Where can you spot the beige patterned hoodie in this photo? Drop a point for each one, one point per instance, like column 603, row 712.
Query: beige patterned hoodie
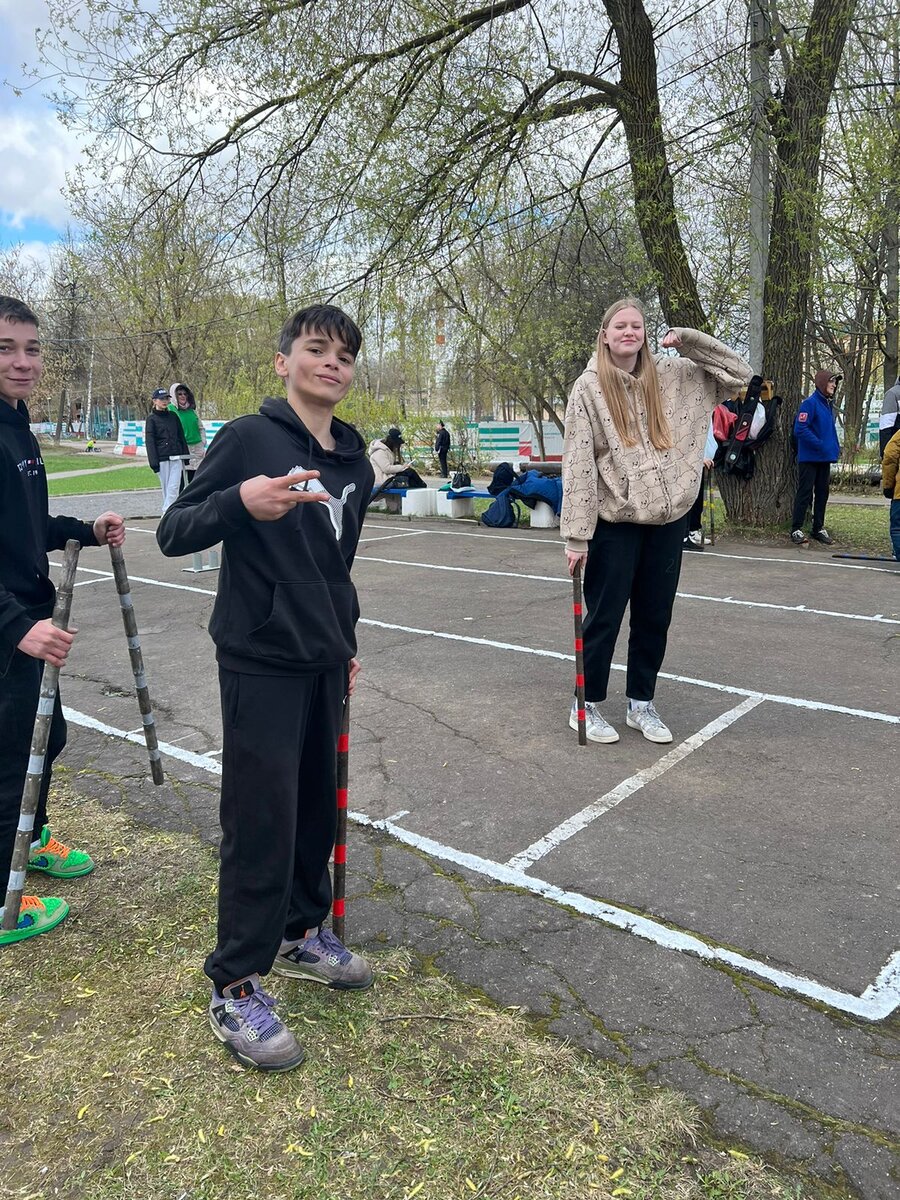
column 640, row 484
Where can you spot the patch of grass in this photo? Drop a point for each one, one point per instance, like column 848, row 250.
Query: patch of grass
column 116, row 1087
column 66, row 461
column 129, row 479
column 854, row 527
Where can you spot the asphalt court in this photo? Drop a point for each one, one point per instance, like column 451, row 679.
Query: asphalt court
column 769, row 826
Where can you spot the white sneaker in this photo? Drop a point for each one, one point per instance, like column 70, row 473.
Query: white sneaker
column 649, row 722
column 694, row 539
column 598, row 729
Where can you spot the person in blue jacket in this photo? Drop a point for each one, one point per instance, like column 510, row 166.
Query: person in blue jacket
column 817, row 448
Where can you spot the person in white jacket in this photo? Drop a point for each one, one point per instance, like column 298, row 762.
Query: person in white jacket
column 384, row 455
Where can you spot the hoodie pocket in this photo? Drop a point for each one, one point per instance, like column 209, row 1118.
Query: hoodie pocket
column 310, row 624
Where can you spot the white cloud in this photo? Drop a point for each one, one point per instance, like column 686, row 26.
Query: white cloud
column 36, row 152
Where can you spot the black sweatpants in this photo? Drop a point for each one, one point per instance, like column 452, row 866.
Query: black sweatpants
column 695, row 516
column 626, row 563
column 20, row 688
column 278, row 812
column 812, row 477
column 442, row 459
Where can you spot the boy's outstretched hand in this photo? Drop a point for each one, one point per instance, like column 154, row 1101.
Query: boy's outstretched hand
column 267, row 499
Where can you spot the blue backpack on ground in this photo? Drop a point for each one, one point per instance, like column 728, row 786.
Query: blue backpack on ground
column 502, row 514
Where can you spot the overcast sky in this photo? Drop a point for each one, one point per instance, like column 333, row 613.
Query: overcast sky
column 35, row 149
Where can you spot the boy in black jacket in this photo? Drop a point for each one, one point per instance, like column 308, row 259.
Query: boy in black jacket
column 28, row 638
column 285, row 490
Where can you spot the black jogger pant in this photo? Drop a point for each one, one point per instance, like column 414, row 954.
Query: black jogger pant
column 640, row 564
column 442, row 459
column 20, row 688
column 278, row 812
column 812, row 477
column 695, row 516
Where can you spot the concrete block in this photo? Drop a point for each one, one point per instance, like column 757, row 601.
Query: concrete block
column 464, row 507
column 420, row 502
column 543, row 516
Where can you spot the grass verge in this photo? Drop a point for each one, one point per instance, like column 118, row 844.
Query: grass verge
column 854, row 527
column 129, row 479
column 116, row 1087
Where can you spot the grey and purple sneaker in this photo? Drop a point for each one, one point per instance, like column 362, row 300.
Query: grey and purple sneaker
column 324, row 959
column 243, row 1017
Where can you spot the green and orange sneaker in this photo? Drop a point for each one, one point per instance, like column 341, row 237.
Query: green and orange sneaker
column 36, row 916
column 53, row 858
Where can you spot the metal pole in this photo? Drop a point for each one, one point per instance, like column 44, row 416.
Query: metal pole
column 137, row 661
column 340, row 839
column 39, row 739
column 579, row 654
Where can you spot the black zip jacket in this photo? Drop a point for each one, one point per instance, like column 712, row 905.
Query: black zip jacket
column 164, row 437
column 285, row 603
column 27, row 532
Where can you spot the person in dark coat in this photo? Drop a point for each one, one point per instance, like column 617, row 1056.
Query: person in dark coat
column 442, row 448
column 167, row 448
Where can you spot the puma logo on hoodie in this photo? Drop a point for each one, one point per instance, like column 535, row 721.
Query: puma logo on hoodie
column 335, row 506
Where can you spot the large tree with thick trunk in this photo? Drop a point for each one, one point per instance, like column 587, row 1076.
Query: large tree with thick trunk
column 403, row 134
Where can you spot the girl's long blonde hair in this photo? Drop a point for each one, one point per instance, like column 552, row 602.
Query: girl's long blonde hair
column 615, row 395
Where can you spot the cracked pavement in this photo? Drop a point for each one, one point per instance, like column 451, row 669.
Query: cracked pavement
column 777, row 838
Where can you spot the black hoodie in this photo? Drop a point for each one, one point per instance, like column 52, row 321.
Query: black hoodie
column 285, row 603
column 27, row 532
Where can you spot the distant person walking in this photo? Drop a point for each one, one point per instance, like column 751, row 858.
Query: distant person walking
column 442, row 448
column 815, row 432
column 166, row 446
column 889, row 421
column 185, row 406
column 890, row 482
column 636, row 424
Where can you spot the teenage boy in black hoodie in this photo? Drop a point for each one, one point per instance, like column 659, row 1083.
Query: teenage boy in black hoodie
column 285, row 491
column 28, row 638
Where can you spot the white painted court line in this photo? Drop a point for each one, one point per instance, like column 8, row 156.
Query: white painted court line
column 580, row 820
column 728, row 689
column 186, row 756
column 532, row 538
column 390, row 536
column 877, row 1001
column 562, row 579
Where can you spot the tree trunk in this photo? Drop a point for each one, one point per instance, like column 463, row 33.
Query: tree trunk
column 654, row 192
column 799, row 123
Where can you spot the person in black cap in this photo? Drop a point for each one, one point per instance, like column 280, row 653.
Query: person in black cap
column 166, row 446
column 817, row 448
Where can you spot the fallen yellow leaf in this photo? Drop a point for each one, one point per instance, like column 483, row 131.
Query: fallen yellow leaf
column 82, row 1111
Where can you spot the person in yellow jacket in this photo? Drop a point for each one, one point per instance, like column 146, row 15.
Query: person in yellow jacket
column 890, row 483
column 636, row 425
